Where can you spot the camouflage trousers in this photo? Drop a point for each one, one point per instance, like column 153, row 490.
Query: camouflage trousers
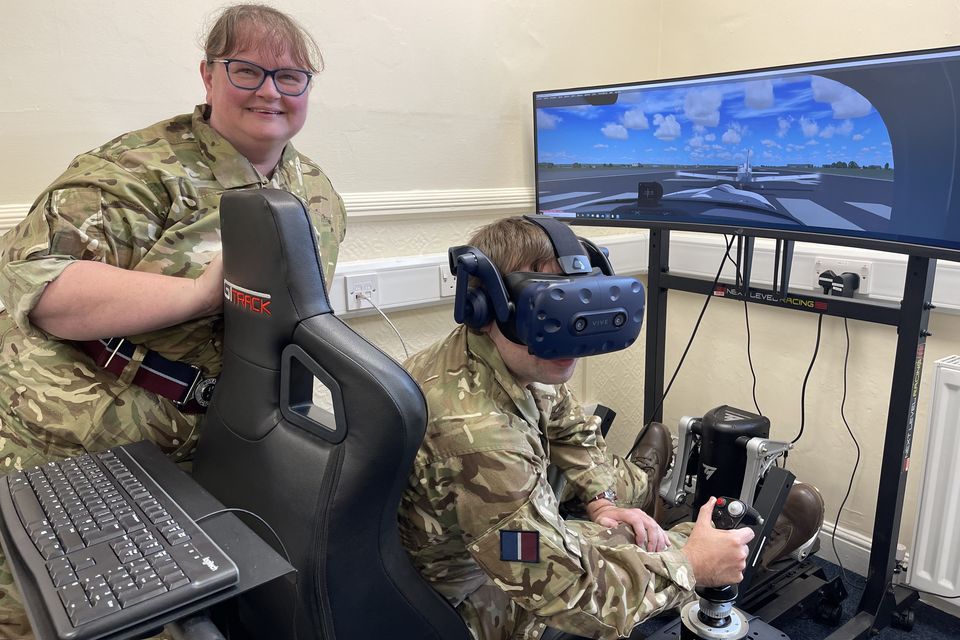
column 491, row 614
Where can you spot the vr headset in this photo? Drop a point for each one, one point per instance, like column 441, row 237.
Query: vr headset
column 585, row 310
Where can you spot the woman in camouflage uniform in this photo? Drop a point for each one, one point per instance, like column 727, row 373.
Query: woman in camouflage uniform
column 126, row 243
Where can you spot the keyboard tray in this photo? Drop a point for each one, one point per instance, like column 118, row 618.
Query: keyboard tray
column 221, row 555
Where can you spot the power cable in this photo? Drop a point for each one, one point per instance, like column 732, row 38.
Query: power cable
column 693, row 335
column 856, row 464
column 746, row 318
column 806, row 378
column 363, row 295
column 296, row 581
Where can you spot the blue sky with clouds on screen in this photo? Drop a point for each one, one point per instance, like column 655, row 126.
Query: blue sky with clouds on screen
column 796, row 120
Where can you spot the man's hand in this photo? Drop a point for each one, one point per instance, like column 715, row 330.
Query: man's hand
column 648, row 533
column 718, row 556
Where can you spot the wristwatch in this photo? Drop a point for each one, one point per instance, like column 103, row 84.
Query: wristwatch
column 608, row 494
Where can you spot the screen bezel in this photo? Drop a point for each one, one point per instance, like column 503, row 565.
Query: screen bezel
column 817, row 237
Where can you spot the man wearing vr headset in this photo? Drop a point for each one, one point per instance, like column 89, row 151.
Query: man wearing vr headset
column 479, row 518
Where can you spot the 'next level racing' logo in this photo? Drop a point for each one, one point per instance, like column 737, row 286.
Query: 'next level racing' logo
column 245, row 298
column 725, row 291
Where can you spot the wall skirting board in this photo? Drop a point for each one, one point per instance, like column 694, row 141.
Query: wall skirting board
column 854, row 551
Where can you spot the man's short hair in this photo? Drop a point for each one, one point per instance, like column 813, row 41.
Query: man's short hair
column 513, row 244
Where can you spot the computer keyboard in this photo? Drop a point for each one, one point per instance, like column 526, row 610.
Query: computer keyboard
column 106, row 546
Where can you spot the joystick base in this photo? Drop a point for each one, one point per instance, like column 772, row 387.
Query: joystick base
column 759, row 630
column 694, row 628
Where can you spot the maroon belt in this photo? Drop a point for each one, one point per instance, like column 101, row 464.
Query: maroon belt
column 181, row 383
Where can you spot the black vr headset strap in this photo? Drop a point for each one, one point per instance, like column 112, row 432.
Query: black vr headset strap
column 570, row 249
column 468, row 261
column 598, row 256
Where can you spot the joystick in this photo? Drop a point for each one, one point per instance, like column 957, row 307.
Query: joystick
column 713, row 616
column 729, row 513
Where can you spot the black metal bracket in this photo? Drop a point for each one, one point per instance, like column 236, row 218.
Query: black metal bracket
column 911, row 318
column 782, row 263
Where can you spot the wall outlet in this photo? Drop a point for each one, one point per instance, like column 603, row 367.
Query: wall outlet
column 862, row 268
column 448, row 283
column 360, row 287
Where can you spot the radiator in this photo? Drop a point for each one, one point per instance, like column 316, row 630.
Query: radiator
column 935, row 562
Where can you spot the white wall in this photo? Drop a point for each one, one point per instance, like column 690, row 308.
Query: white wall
column 423, row 94
column 427, row 103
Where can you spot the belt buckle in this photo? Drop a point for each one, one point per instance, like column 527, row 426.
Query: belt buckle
column 199, row 391
column 191, row 392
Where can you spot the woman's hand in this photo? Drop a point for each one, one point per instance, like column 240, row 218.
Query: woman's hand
column 209, row 287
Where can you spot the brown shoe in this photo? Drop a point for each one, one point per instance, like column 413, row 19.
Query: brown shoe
column 653, row 453
column 797, row 527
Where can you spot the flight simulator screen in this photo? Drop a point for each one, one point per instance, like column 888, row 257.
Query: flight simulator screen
column 863, row 148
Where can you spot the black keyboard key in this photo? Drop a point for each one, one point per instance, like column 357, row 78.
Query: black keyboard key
column 151, row 589
column 49, row 547
column 116, row 577
column 146, row 578
column 82, row 561
column 89, row 613
column 131, row 522
column 172, row 576
column 73, row 596
column 177, row 537
column 141, row 494
column 138, row 567
column 39, row 529
column 176, row 580
column 61, row 572
column 105, row 519
column 94, row 536
column 158, row 516
column 129, row 555
column 70, row 540
column 99, row 510
column 28, row 507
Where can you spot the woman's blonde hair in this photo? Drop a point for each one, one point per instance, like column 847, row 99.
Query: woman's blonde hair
column 258, row 26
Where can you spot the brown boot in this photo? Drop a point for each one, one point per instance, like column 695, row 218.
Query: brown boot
column 797, row 527
column 653, row 453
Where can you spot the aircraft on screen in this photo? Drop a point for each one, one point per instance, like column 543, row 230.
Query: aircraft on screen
column 745, row 175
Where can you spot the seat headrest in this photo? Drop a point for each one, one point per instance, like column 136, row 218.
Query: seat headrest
column 263, row 304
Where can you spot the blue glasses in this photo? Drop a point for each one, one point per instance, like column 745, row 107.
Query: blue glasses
column 250, row 76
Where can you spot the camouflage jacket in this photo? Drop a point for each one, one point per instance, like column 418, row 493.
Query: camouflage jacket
column 478, row 507
column 147, row 200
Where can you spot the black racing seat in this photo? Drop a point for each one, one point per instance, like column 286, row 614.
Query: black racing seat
column 328, row 482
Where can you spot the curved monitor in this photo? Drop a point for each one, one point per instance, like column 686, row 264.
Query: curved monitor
column 861, row 152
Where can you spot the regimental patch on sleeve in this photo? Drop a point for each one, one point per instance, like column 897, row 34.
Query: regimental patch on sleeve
column 520, row 546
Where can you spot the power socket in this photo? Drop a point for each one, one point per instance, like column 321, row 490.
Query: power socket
column 862, row 268
column 360, row 285
column 448, row 283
